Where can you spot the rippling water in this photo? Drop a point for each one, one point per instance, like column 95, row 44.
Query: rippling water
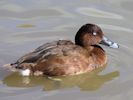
column 26, row 24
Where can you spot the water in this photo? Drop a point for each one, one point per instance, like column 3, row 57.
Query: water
column 26, row 24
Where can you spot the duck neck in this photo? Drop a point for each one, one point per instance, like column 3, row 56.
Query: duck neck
column 89, row 48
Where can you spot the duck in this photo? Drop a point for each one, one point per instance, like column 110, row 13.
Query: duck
column 64, row 57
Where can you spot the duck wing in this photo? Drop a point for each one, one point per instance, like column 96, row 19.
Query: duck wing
column 41, row 52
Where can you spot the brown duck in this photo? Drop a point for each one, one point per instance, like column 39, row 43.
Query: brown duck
column 64, row 57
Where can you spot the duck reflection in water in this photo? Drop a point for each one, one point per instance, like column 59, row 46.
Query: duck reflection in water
column 66, row 63
column 86, row 82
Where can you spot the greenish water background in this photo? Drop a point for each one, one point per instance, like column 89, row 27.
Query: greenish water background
column 26, row 24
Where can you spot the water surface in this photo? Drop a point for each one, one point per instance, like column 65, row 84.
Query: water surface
column 26, row 24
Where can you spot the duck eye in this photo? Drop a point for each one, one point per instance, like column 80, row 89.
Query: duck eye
column 94, row 33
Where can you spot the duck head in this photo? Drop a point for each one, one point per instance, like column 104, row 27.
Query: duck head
column 91, row 34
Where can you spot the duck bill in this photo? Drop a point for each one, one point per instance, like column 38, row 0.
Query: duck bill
column 109, row 43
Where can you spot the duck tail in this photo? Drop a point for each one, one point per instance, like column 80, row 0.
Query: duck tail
column 11, row 65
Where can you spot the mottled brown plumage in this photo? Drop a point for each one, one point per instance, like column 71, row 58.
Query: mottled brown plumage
column 63, row 57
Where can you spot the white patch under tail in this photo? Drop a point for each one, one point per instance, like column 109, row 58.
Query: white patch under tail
column 25, row 72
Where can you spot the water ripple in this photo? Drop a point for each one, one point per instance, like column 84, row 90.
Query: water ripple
column 93, row 12
column 116, row 28
column 13, row 8
column 30, row 13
